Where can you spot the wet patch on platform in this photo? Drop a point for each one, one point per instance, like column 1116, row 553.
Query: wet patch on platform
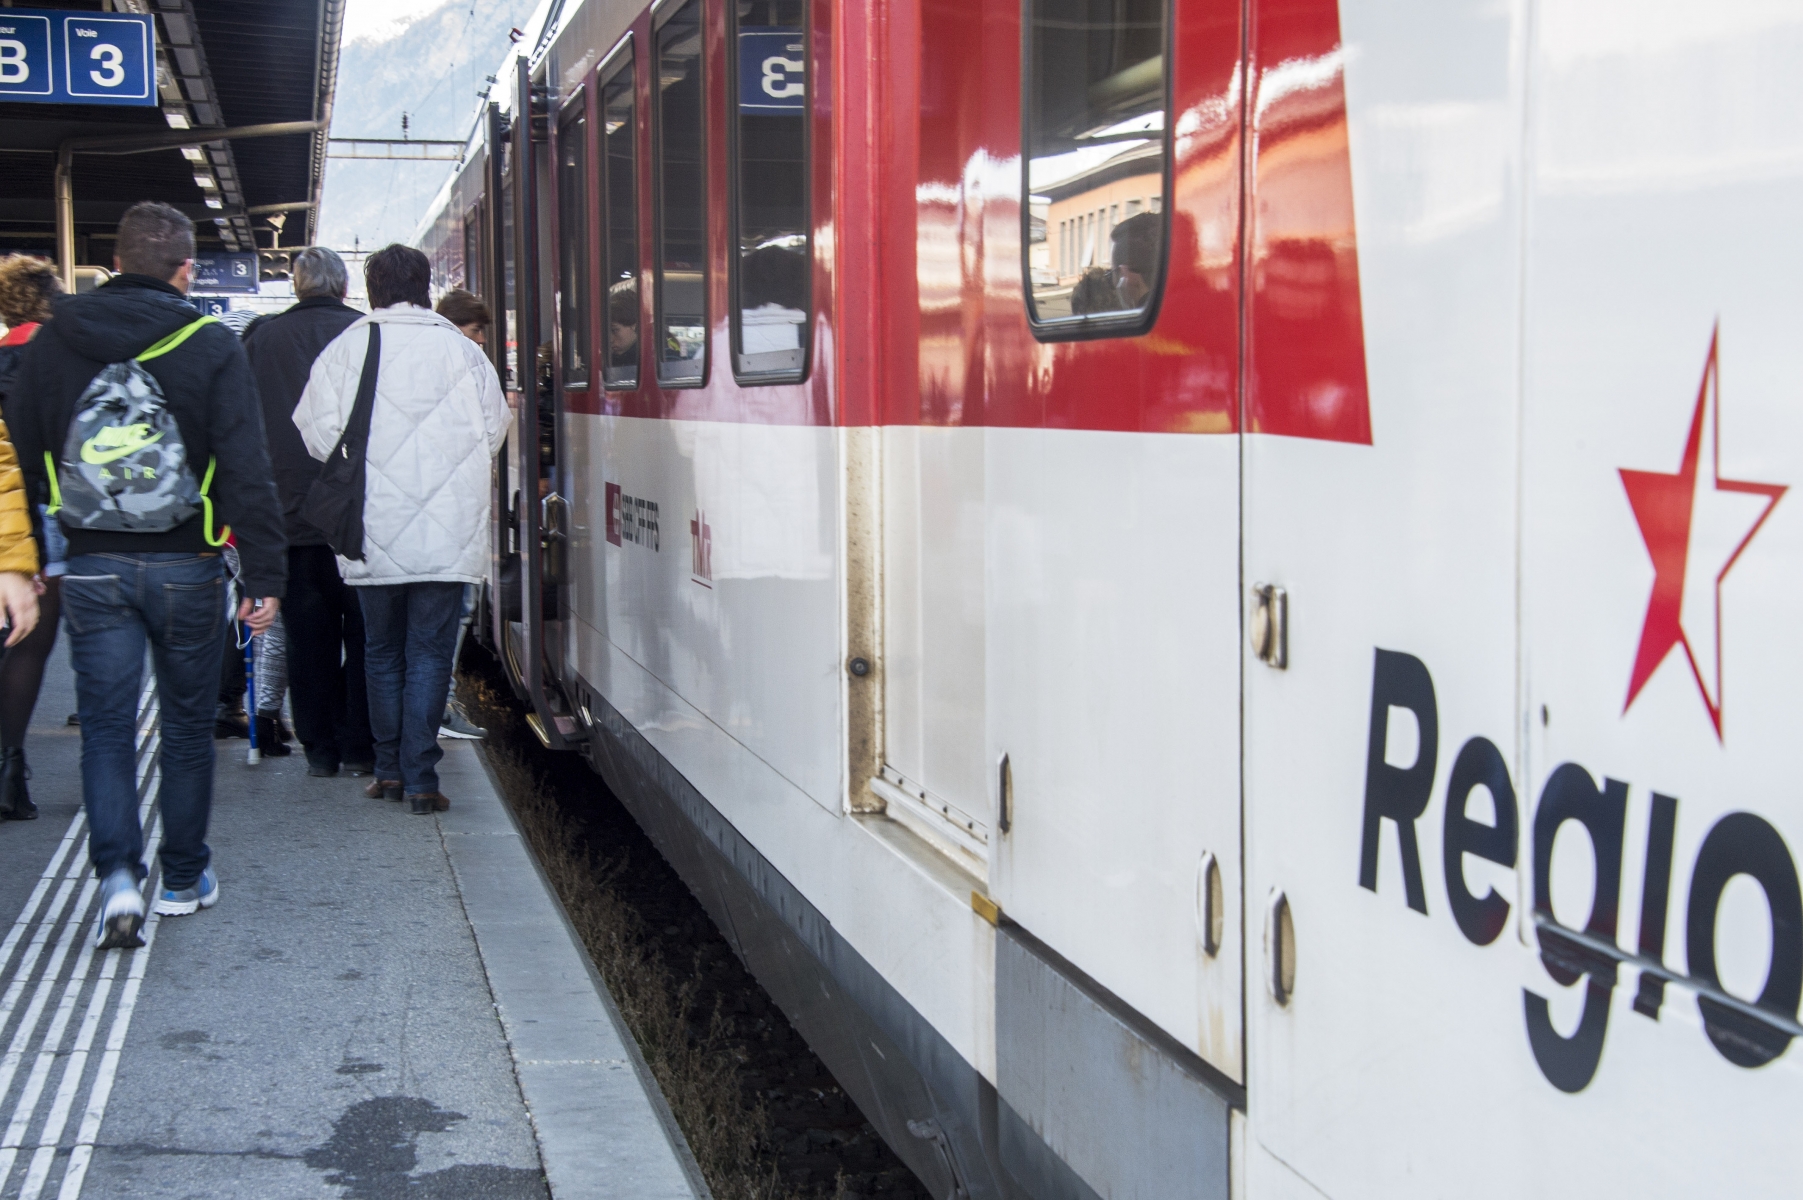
column 374, row 1147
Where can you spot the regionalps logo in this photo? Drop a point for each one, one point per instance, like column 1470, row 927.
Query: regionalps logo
column 1696, row 524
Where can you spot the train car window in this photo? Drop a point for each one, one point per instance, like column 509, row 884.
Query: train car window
column 681, row 279
column 474, row 277
column 771, row 277
column 1096, row 165
column 572, row 239
column 620, row 216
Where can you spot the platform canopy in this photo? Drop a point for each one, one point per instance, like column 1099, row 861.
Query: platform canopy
column 238, row 67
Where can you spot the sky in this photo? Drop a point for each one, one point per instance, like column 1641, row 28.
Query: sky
column 380, row 20
column 428, row 59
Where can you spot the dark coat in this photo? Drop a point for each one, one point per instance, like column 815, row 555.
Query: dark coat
column 282, row 349
column 207, row 385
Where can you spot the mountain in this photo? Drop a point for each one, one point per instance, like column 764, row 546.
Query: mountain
column 432, row 70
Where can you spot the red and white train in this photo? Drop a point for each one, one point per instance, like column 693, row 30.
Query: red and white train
column 1199, row 586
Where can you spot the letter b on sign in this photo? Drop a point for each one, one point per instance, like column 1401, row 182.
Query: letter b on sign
column 13, row 67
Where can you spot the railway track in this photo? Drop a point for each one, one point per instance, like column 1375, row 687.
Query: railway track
column 764, row 1116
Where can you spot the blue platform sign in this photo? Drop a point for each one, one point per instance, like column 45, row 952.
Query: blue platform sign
column 50, row 56
column 773, row 70
column 212, row 306
column 231, row 273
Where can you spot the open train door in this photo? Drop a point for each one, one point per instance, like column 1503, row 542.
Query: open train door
column 530, row 580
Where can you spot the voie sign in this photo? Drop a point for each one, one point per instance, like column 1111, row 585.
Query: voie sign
column 234, row 274
column 58, row 57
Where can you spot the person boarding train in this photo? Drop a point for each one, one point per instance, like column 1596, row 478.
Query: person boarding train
column 144, row 566
column 437, row 421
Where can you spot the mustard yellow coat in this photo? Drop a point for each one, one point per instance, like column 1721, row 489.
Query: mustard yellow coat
column 18, row 551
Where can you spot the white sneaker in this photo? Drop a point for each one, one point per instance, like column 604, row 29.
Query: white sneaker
column 202, row 893
column 121, row 911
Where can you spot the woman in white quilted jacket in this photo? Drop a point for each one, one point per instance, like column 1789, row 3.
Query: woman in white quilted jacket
column 438, row 420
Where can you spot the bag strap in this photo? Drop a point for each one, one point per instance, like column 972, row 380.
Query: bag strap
column 164, row 345
column 356, row 430
column 206, row 504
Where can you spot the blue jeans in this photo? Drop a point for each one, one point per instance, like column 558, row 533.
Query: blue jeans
column 409, row 631
column 113, row 605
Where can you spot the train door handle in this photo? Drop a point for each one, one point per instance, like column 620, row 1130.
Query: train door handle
column 1271, row 625
column 1211, row 904
column 1280, row 947
column 551, row 516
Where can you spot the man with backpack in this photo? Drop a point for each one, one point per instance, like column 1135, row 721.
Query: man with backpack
column 139, row 418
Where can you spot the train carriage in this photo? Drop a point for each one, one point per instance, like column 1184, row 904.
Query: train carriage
column 1197, row 585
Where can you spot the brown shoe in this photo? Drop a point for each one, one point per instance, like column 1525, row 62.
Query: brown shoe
column 383, row 789
column 425, row 803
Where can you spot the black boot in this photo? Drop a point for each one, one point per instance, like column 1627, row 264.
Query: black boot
column 270, row 742
column 229, row 721
column 15, row 798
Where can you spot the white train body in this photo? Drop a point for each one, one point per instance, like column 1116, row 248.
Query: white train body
column 1248, row 801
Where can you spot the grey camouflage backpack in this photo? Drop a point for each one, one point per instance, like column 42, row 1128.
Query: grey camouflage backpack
column 124, row 466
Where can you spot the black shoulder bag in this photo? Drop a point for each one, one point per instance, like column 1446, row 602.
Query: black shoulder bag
column 334, row 504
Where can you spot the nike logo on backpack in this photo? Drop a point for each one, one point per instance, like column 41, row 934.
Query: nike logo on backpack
column 116, row 441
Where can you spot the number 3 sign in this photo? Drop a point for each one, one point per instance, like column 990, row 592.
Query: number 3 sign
column 59, row 57
column 773, row 71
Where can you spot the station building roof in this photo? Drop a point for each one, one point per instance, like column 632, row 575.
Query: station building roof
column 221, row 64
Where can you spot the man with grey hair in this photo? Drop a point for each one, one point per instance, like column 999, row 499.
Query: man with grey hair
column 324, row 622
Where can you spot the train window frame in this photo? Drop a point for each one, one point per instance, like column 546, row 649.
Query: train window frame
column 622, row 60
column 661, row 21
column 775, row 367
column 1121, row 324
column 573, row 112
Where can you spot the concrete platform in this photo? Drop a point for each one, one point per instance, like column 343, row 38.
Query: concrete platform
column 381, row 1005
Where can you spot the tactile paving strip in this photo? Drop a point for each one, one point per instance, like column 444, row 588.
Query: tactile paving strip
column 51, row 971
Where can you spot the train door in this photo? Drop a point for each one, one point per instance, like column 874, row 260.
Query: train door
column 1384, row 1010
column 1661, row 545
column 1061, row 492
column 534, row 631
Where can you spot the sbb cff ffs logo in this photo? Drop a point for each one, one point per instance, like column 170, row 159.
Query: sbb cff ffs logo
column 1741, row 843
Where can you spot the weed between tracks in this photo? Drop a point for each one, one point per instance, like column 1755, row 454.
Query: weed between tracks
column 764, row 1118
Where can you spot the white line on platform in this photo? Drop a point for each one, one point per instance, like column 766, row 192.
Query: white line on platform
column 69, row 862
column 28, row 914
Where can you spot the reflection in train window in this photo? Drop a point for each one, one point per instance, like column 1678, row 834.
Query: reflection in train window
column 770, row 169
column 572, row 239
column 681, row 280
column 620, row 217
column 1095, row 171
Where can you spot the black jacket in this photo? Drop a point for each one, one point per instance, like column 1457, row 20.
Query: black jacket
column 207, row 384
column 282, row 349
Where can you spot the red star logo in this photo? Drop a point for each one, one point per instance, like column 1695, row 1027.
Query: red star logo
column 1686, row 526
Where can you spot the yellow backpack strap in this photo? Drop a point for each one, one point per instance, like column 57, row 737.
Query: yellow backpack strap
column 206, row 504
column 165, row 345
column 56, row 493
